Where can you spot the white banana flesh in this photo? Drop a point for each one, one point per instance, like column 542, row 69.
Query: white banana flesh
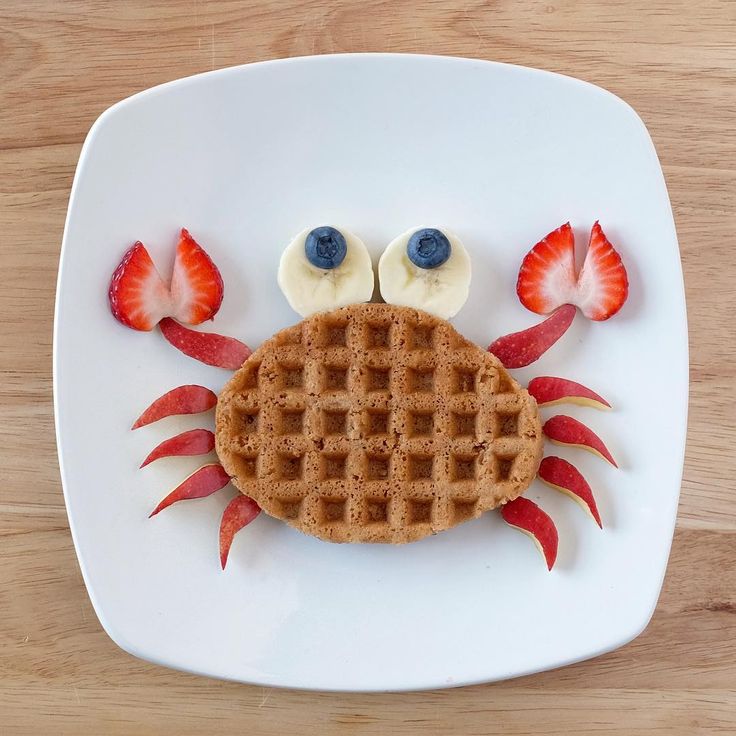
column 442, row 291
column 309, row 289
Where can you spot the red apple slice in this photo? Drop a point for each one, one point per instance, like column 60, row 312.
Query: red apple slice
column 564, row 430
column 189, row 399
column 522, row 348
column 200, row 484
column 193, row 442
column 238, row 513
column 549, row 391
column 206, row 347
column 565, row 477
column 526, row 516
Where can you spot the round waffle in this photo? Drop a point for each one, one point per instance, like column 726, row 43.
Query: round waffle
column 376, row 423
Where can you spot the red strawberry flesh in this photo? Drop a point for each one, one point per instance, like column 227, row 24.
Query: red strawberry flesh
column 565, row 430
column 547, row 274
column 522, row 348
column 206, row 347
column 526, row 516
column 603, row 284
column 196, row 283
column 548, row 390
column 238, row 513
column 565, row 477
column 547, row 277
column 189, row 399
column 201, row 483
column 193, row 442
column 138, row 296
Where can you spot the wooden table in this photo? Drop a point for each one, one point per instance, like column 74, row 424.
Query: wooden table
column 61, row 64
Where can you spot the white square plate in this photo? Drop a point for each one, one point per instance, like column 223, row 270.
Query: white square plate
column 245, row 158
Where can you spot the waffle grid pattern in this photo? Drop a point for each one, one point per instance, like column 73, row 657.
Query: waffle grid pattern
column 376, row 423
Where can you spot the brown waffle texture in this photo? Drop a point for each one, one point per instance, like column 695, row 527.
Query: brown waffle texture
column 376, row 423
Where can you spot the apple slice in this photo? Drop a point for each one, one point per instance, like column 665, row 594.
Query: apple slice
column 549, row 391
column 189, row 399
column 564, row 430
column 565, row 477
column 206, row 347
column 238, row 513
column 200, row 484
column 522, row 348
column 526, row 516
column 193, row 442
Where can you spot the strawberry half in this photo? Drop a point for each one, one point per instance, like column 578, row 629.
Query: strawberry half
column 547, row 277
column 603, row 284
column 196, row 284
column 547, row 274
column 138, row 296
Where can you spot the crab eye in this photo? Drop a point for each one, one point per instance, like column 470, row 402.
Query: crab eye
column 428, row 248
column 426, row 268
column 325, row 247
column 324, row 268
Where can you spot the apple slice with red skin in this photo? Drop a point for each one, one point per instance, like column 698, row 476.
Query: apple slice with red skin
column 201, row 483
column 519, row 349
column 548, row 391
column 206, row 347
column 526, row 516
column 238, row 513
column 189, row 399
column 565, row 477
column 564, row 430
column 193, row 442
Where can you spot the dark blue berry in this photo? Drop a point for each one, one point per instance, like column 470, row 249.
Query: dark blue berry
column 428, row 248
column 325, row 247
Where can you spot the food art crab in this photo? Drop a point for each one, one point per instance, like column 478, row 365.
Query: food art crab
column 381, row 396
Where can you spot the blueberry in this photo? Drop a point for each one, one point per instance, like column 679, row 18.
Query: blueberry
column 428, row 248
column 325, row 247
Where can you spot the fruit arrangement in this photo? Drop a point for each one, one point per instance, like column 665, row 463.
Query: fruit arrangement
column 426, row 268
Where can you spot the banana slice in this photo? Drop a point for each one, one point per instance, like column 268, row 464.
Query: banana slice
column 325, row 268
column 439, row 285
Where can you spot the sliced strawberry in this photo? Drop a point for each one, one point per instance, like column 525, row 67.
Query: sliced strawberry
column 564, row 430
column 196, row 284
column 238, row 513
column 138, row 296
column 189, row 399
column 522, row 348
column 200, row 484
column 207, row 347
column 548, row 391
column 565, row 477
column 547, row 274
column 603, row 284
column 193, row 442
column 526, row 516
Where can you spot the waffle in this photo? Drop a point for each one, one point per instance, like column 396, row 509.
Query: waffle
column 376, row 423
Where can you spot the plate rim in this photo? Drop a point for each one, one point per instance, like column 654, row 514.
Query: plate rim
column 285, row 683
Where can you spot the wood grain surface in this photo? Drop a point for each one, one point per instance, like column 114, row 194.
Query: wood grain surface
column 63, row 63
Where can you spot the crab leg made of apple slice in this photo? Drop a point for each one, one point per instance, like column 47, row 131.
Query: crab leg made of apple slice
column 207, row 347
column 238, row 513
column 555, row 471
column 526, row 516
column 568, row 431
column 203, row 483
column 520, row 349
column 191, row 442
